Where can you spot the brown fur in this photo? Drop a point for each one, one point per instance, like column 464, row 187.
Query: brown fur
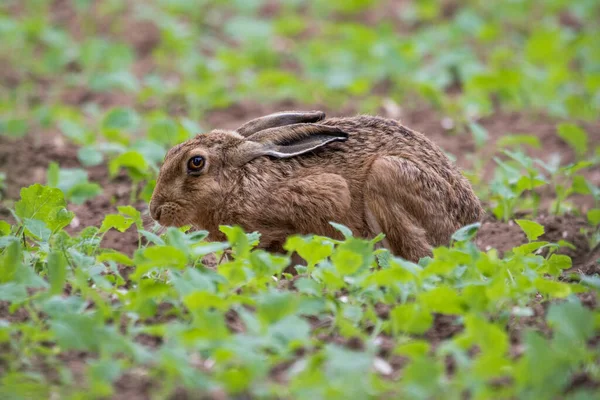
column 383, row 177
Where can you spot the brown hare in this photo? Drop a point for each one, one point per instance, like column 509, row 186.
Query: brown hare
column 294, row 172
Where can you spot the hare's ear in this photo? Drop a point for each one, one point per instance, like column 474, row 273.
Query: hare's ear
column 279, row 119
column 291, row 140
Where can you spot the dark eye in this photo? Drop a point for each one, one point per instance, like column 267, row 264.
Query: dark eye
column 195, row 164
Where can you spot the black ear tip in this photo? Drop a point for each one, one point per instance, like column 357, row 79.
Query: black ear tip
column 317, row 116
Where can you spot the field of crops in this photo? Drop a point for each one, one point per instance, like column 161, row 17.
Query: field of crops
column 97, row 301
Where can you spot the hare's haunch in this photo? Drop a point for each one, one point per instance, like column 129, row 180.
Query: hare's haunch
column 294, row 172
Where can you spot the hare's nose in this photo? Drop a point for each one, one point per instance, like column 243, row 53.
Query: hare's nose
column 155, row 211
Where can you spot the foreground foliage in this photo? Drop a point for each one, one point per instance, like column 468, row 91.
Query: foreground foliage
column 251, row 327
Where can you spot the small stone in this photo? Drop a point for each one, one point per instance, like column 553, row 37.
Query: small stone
column 75, row 222
column 447, row 123
column 382, row 366
column 392, row 109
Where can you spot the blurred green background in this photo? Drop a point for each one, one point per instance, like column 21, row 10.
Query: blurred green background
column 183, row 58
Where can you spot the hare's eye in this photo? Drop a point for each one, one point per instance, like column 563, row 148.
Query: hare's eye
column 195, row 164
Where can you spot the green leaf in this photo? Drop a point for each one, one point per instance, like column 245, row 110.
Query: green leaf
column 37, row 229
column 113, row 255
column 89, row 156
column 204, row 300
column 166, row 132
column 10, row 262
column 572, row 320
column 44, row 204
column 552, row 288
column 4, row 228
column 133, row 161
column 14, row 127
column 313, row 249
column 52, row 174
column 116, row 221
column 516, row 140
column 480, row 134
column 57, row 272
column 410, row 318
column 532, row 229
column 575, row 137
column 132, row 213
column 157, row 257
column 442, row 300
column 466, row 232
column 559, row 262
column 84, row 191
column 593, row 216
column 529, row 248
column 74, row 131
column 343, row 229
column 121, row 119
column 238, row 239
column 273, row 306
column 413, row 349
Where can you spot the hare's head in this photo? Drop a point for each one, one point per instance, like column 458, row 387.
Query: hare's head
column 190, row 181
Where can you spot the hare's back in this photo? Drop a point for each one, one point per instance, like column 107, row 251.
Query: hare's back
column 378, row 132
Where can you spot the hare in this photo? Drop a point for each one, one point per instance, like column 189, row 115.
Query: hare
column 294, row 172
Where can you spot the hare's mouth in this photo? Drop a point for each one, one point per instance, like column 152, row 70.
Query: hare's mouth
column 169, row 214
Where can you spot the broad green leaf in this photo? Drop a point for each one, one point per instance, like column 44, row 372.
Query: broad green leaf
column 553, row 288
column 132, row 213
column 593, row 216
column 466, row 232
column 52, row 176
column 273, row 306
column 352, row 255
column 83, row 191
column 4, row 228
column 575, row 137
column 197, row 300
column 89, row 156
column 116, row 221
column 37, row 229
column 116, row 256
column 133, row 161
column 10, row 262
column 572, row 320
column 343, row 229
column 559, row 262
column 442, row 300
column 410, row 318
column 529, row 248
column 413, row 349
column 57, row 272
column 313, row 249
column 121, row 118
column 160, row 257
column 480, row 134
column 515, row 140
column 238, row 240
column 44, row 204
column 532, row 229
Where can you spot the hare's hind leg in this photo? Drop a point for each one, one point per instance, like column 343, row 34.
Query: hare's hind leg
column 403, row 237
column 408, row 205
